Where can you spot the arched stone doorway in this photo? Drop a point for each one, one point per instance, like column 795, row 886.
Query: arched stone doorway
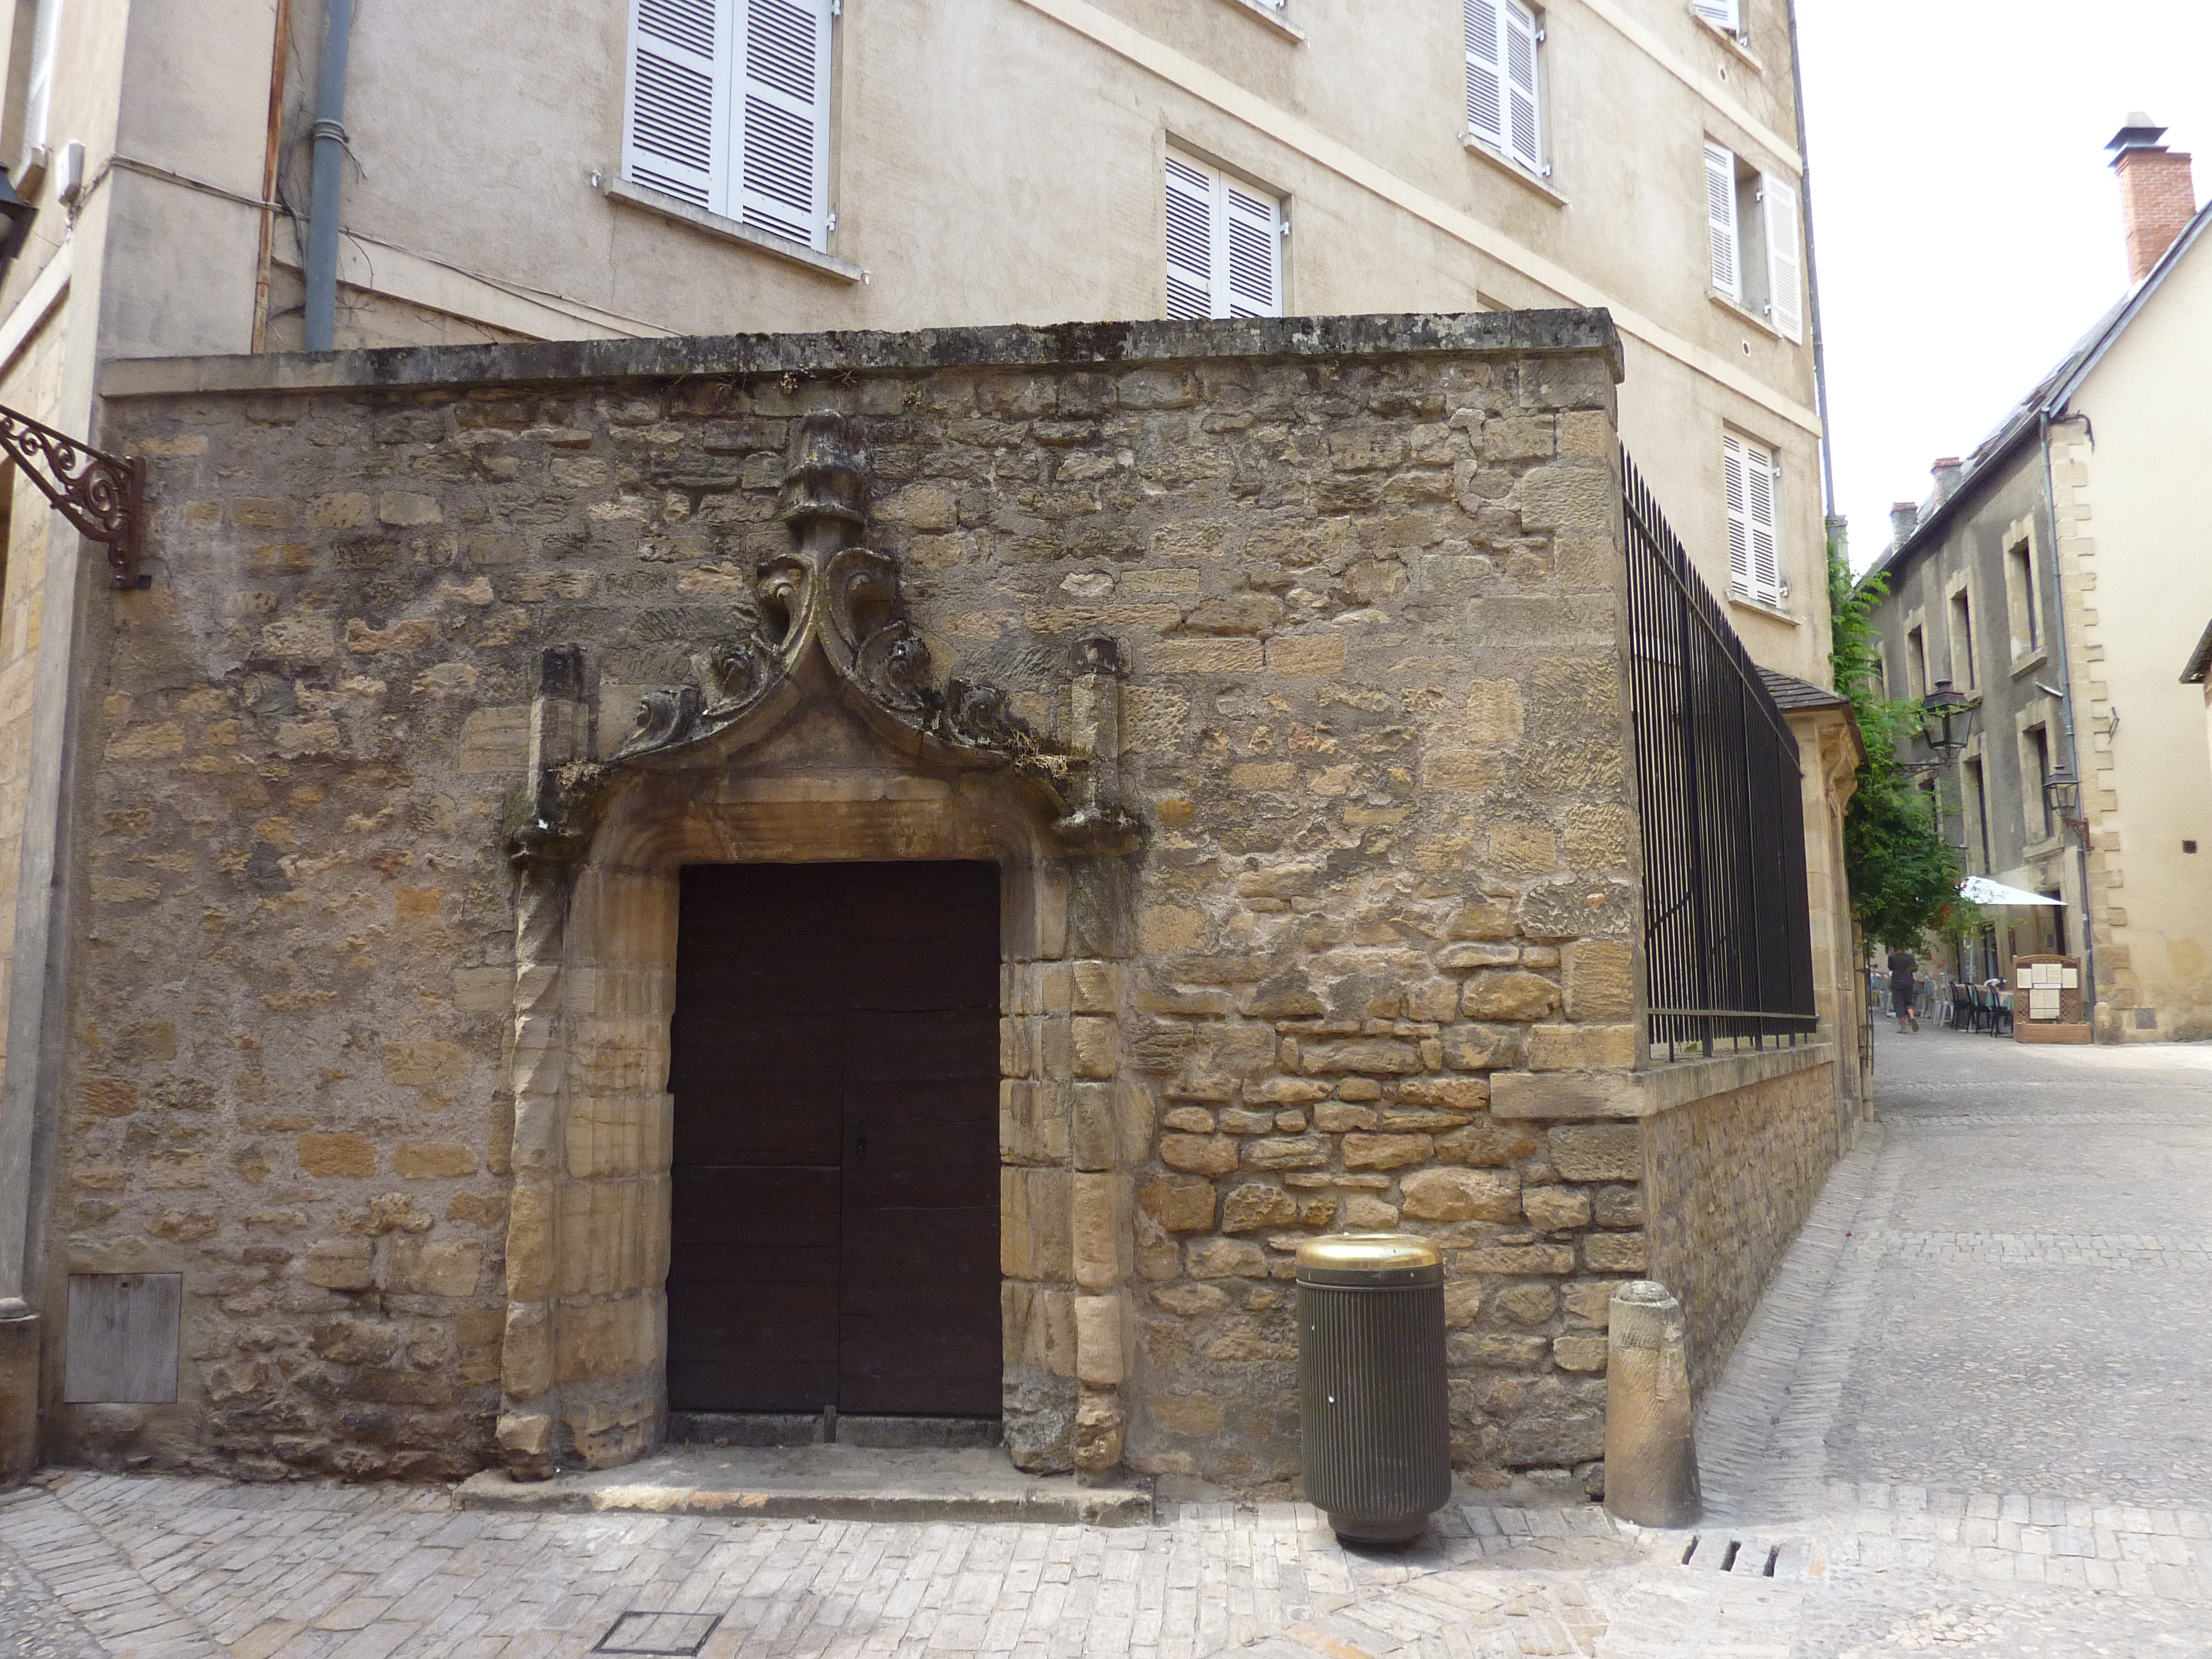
column 814, row 738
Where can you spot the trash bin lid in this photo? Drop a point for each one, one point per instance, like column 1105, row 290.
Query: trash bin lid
column 1369, row 1258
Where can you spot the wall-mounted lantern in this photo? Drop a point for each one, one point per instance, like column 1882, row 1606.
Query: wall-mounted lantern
column 1947, row 721
column 2062, row 794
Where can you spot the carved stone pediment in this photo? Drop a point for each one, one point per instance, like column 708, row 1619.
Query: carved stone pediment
column 834, row 600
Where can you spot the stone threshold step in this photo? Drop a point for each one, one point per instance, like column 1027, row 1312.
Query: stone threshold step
column 820, row 1482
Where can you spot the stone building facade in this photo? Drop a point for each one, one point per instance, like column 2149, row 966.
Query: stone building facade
column 2051, row 578
column 1278, row 666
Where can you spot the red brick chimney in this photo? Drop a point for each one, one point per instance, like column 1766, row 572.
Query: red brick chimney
column 2158, row 195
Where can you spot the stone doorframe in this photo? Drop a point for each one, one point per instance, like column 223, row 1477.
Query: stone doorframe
column 814, row 733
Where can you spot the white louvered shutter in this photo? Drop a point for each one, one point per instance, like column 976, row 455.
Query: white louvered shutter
column 1738, row 521
column 1251, row 252
column 677, row 132
column 1486, row 72
column 1190, row 239
column 1520, row 126
column 783, row 152
column 1720, row 221
column 1784, row 277
column 1224, row 244
column 1761, row 479
column 1721, row 14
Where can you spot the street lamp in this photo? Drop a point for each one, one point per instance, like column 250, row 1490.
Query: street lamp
column 1947, row 721
column 2062, row 792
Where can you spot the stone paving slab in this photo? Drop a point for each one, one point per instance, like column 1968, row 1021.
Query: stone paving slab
column 834, row 1482
column 1902, row 1290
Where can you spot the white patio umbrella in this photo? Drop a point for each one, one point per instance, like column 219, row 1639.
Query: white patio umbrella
column 1980, row 890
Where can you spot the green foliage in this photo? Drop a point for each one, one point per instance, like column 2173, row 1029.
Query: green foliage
column 1904, row 874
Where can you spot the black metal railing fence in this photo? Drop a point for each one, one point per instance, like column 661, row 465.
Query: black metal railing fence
column 1727, row 930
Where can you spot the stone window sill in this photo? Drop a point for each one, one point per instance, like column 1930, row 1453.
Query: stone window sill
column 1662, row 1086
column 1272, row 17
column 1512, row 169
column 1727, row 39
column 2028, row 661
column 622, row 191
column 1764, row 607
column 1743, row 313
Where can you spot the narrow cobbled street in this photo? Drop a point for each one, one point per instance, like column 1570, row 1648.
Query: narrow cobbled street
column 1971, row 1417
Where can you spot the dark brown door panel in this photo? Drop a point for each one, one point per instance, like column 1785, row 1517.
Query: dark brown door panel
column 834, row 1062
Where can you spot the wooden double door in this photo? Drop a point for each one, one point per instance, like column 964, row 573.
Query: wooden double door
column 835, row 1064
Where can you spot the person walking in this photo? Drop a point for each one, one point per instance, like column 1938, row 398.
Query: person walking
column 1903, row 988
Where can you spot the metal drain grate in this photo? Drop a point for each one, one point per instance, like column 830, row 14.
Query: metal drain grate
column 1749, row 1557
column 678, row 1633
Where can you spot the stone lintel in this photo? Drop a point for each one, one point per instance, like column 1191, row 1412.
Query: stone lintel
column 1111, row 347
column 1660, row 1088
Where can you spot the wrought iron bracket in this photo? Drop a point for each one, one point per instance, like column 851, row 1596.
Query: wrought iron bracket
column 103, row 495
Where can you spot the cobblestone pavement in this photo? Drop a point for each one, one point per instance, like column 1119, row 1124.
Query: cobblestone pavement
column 1971, row 1417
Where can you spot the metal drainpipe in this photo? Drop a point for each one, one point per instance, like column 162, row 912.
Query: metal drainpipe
column 2073, row 744
column 330, row 135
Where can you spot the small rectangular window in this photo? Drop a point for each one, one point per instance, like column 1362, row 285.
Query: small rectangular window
column 1976, row 806
column 1503, row 102
column 2020, row 594
column 1916, row 665
column 1753, row 487
column 1962, row 641
column 2038, row 749
column 728, row 109
column 1224, row 244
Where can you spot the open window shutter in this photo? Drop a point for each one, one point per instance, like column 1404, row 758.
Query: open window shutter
column 1521, row 85
column 677, row 122
column 1720, row 220
column 1251, row 252
column 1738, row 521
column 1486, row 73
column 1758, row 476
column 1783, row 278
column 1721, row 14
column 1190, row 239
column 783, row 154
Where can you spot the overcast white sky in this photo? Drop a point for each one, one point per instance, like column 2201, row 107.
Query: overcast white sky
column 1967, row 221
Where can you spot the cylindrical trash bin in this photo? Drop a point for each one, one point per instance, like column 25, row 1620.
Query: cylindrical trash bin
column 1376, row 1428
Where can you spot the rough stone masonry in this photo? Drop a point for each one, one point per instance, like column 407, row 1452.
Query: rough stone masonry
column 1362, row 579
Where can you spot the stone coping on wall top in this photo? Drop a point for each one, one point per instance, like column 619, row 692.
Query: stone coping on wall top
column 1659, row 1088
column 1063, row 345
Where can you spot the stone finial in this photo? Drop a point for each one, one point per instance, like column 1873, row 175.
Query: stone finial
column 825, row 486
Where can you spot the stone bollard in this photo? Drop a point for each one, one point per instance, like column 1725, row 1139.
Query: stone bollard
column 1651, row 1451
column 19, row 1390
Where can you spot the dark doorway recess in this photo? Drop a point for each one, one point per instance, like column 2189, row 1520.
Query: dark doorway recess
column 834, row 1062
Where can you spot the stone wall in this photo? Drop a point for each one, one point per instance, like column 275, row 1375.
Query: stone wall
column 1732, row 1177
column 1365, row 579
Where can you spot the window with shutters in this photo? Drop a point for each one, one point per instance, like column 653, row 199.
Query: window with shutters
column 1754, row 235
column 1224, row 244
column 1504, row 101
column 1754, row 486
column 728, row 110
column 1727, row 15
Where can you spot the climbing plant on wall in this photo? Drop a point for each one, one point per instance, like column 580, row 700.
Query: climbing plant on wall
column 1904, row 874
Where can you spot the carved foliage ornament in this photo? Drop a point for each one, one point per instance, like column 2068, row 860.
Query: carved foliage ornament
column 845, row 601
